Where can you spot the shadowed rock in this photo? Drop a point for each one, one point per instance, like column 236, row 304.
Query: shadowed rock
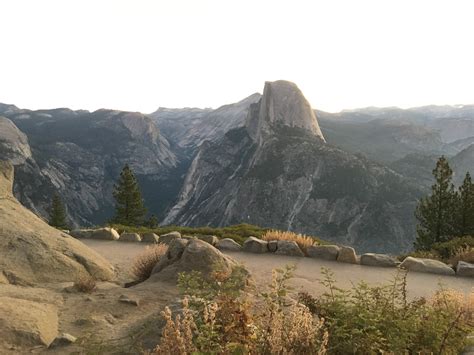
column 33, row 252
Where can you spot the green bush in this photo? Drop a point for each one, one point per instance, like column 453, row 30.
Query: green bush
column 379, row 319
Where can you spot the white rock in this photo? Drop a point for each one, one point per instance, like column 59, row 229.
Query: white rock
column 228, row 244
column 255, row 245
column 426, row 265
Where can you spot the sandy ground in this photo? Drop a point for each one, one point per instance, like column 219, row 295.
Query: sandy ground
column 307, row 273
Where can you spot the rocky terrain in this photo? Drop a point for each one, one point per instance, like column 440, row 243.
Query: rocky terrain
column 79, row 155
column 278, row 171
column 369, row 173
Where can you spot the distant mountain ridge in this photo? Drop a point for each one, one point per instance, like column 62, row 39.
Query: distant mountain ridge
column 352, row 177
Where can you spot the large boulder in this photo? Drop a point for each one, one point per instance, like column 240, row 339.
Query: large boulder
column 347, row 255
column 211, row 239
column 106, row 233
column 426, row 265
column 465, row 269
column 255, row 245
column 169, row 237
column 150, row 238
column 326, row 252
column 196, row 255
column 27, row 323
column 288, row 247
column 33, row 252
column 383, row 260
column 130, row 237
column 14, row 145
column 81, row 233
column 228, row 244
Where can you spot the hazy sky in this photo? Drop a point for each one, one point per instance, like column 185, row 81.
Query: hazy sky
column 141, row 54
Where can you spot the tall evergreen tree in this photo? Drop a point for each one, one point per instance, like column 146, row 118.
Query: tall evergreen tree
column 436, row 213
column 129, row 207
column 57, row 213
column 465, row 208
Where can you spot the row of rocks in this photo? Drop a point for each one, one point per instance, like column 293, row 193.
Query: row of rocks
column 343, row 254
column 348, row 255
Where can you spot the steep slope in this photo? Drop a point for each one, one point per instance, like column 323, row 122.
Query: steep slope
column 277, row 171
column 33, row 252
column 79, row 155
column 462, row 163
column 13, row 143
column 188, row 128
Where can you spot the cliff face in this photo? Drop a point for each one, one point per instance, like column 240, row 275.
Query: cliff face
column 279, row 172
column 32, row 252
column 80, row 154
column 14, row 145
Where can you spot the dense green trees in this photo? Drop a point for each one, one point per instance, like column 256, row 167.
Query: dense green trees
column 129, row 206
column 447, row 212
column 57, row 213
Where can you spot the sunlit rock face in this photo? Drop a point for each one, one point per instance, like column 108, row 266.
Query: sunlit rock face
column 277, row 171
column 282, row 105
column 14, row 145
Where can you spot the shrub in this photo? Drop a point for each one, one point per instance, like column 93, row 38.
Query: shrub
column 450, row 248
column 303, row 241
column 463, row 254
column 86, row 284
column 223, row 321
column 145, row 262
column 378, row 319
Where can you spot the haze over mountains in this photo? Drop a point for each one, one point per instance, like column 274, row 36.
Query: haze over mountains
column 353, row 177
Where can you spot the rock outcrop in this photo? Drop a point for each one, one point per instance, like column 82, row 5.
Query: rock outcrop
column 80, row 154
column 282, row 104
column 14, row 145
column 278, row 172
column 187, row 256
column 426, row 265
column 33, row 252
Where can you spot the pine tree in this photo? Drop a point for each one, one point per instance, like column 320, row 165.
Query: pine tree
column 436, row 213
column 152, row 222
column 465, row 208
column 57, row 213
column 129, row 207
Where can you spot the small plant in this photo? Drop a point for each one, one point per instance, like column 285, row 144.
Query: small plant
column 303, row 241
column 145, row 262
column 380, row 319
column 86, row 284
column 222, row 319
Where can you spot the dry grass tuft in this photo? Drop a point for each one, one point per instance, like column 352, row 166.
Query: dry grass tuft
column 303, row 241
column 145, row 262
column 86, row 284
column 462, row 254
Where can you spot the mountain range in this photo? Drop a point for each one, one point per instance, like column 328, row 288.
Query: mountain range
column 353, row 177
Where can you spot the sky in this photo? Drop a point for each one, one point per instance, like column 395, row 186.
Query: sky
column 139, row 55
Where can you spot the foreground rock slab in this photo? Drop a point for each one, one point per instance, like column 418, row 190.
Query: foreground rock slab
column 255, row 245
column 33, row 252
column 383, row 260
column 27, row 323
column 426, row 265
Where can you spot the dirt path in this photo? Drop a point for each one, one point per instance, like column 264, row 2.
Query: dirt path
column 307, row 273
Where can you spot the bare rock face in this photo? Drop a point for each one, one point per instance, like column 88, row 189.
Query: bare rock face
column 13, row 143
column 426, row 265
column 282, row 104
column 33, row 252
column 195, row 255
column 27, row 323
